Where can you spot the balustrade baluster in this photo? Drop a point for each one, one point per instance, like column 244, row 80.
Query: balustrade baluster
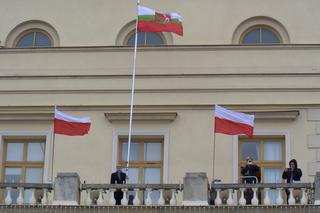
column 44, row 200
column 112, row 200
column 124, row 200
column 20, row 197
column 32, row 200
column 8, row 199
column 218, row 200
column 242, row 201
column 148, row 201
column 173, row 200
column 136, row 200
column 88, row 200
column 161, row 201
column 254, row 200
column 291, row 198
column 230, row 201
column 279, row 200
column 304, row 199
column 266, row 200
column 100, row 200
column 179, row 197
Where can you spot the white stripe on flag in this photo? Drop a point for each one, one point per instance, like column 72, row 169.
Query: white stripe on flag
column 62, row 116
column 238, row 117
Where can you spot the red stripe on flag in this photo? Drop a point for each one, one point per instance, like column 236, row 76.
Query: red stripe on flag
column 70, row 128
column 151, row 26
column 232, row 128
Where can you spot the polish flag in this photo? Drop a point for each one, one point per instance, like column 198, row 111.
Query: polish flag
column 66, row 125
column 232, row 123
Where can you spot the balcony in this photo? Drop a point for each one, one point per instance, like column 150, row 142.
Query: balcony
column 67, row 194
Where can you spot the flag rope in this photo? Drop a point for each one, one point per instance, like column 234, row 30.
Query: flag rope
column 132, row 90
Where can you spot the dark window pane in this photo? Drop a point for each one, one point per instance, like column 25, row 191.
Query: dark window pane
column 42, row 40
column 269, row 37
column 26, row 40
column 251, row 149
column 141, row 39
column 154, row 38
column 252, row 37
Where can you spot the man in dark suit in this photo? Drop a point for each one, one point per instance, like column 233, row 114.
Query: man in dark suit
column 118, row 177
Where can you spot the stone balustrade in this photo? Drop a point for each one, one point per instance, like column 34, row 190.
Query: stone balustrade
column 140, row 194
column 195, row 191
column 298, row 193
column 25, row 193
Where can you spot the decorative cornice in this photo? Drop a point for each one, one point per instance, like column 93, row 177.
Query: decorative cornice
column 141, row 116
column 26, row 116
column 277, row 115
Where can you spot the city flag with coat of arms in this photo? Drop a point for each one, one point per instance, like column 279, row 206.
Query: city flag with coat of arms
column 152, row 21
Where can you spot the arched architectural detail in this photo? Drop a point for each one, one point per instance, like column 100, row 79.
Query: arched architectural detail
column 126, row 31
column 268, row 22
column 28, row 26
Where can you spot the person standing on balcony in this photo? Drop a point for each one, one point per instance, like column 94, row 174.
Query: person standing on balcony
column 251, row 175
column 118, row 177
column 292, row 174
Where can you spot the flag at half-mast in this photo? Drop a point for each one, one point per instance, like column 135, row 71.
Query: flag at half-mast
column 152, row 21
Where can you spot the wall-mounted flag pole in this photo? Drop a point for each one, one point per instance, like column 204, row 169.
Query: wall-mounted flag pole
column 231, row 123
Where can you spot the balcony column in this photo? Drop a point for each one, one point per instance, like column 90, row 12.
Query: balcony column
column 195, row 189
column 317, row 189
column 66, row 189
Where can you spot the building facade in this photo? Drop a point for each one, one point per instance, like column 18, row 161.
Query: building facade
column 256, row 57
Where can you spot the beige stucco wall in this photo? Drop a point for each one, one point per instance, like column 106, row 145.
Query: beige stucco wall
column 98, row 22
column 94, row 81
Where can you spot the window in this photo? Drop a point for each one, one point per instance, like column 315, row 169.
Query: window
column 268, row 152
column 146, row 160
column 126, row 36
column 145, row 38
column 32, row 34
column 33, row 38
column 260, row 35
column 260, row 30
column 23, row 161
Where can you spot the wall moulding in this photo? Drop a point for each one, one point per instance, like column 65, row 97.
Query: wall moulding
column 141, row 116
column 26, row 116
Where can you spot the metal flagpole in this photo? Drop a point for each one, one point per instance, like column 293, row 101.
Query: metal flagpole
column 53, row 142
column 132, row 89
column 214, row 155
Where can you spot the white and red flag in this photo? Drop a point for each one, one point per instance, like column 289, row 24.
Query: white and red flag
column 67, row 125
column 232, row 123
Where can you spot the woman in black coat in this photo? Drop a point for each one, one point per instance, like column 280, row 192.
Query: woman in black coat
column 291, row 174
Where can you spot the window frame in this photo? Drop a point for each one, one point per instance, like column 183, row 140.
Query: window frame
column 263, row 163
column 132, row 32
column 24, row 164
column 260, row 20
column 163, row 133
column 141, row 164
column 260, row 27
column 34, row 31
column 26, row 26
column 130, row 27
column 235, row 149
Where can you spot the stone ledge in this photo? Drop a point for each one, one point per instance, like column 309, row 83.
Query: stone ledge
column 161, row 209
column 141, row 116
